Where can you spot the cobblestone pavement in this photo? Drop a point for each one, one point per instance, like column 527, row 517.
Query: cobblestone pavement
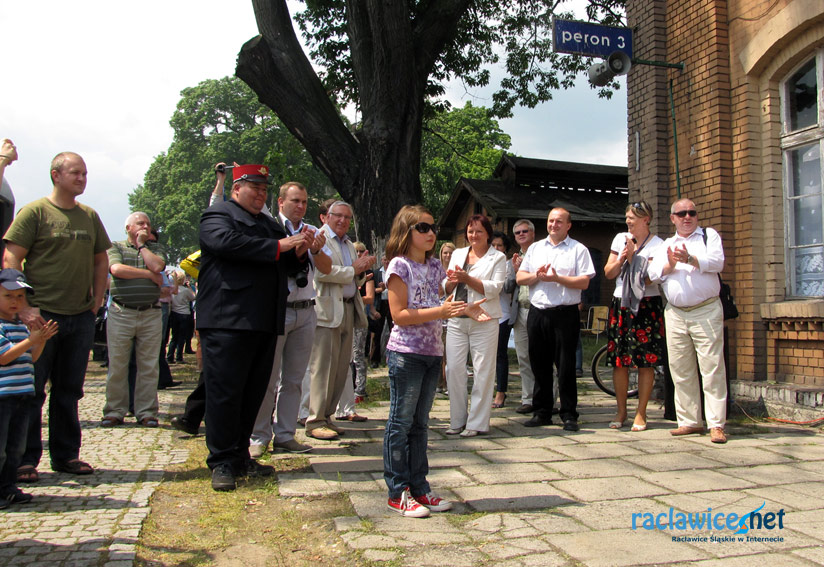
column 522, row 496
column 95, row 519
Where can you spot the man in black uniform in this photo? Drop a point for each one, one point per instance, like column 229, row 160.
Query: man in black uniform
column 245, row 259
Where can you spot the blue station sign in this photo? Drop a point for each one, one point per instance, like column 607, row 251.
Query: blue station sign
column 583, row 38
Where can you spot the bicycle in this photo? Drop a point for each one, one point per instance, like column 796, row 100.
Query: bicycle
column 602, row 374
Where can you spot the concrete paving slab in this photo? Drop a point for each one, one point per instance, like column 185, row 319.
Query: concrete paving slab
column 597, row 468
column 697, row 480
column 813, row 530
column 505, row 497
column 613, row 548
column 787, row 497
column 807, row 452
column 745, row 456
column 669, row 461
column 616, row 488
column 585, row 451
column 504, row 473
column 612, row 514
column 442, row 556
column 768, row 475
column 814, row 466
column 457, row 443
column 440, row 478
column 533, row 455
column 537, row 439
column 782, row 559
column 436, row 523
column 813, row 554
column 514, row 547
column 553, row 523
column 344, row 463
column 454, row 459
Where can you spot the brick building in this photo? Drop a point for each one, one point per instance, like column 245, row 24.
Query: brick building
column 749, row 116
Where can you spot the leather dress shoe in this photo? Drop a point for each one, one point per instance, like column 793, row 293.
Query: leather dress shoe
column 524, row 408
column 686, row 430
column 223, row 478
column 181, row 424
column 352, row 417
column 717, row 435
column 571, row 425
column 255, row 470
column 322, row 433
column 171, row 384
column 537, row 421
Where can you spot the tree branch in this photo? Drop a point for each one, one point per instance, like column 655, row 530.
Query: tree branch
column 274, row 65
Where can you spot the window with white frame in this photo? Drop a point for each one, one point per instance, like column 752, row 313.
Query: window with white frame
column 802, row 110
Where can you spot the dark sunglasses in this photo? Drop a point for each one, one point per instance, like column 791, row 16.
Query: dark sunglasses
column 522, row 231
column 682, row 214
column 424, row 227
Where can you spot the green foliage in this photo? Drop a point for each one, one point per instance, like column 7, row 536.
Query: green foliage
column 218, row 120
column 514, row 33
column 464, row 142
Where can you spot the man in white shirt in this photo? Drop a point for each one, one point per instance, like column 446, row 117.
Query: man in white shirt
column 688, row 265
column 556, row 269
column 278, row 413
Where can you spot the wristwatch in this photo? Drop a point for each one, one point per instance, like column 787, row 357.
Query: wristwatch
column 689, row 259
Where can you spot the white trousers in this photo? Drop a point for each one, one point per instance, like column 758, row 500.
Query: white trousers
column 695, row 340
column 480, row 340
column 522, row 350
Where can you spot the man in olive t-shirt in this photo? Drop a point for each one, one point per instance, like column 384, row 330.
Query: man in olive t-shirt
column 64, row 245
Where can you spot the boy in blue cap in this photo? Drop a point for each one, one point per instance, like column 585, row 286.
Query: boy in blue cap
column 19, row 348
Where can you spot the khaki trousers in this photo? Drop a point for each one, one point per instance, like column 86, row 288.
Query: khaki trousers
column 331, row 353
column 695, row 341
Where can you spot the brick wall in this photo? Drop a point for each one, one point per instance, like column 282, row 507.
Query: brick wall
column 727, row 109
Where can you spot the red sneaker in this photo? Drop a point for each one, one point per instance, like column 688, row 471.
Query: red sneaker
column 434, row 503
column 408, row 506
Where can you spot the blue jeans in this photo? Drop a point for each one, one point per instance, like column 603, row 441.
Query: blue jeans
column 63, row 363
column 14, row 416
column 412, row 382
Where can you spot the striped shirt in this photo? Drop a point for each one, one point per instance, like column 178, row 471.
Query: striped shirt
column 17, row 377
column 137, row 292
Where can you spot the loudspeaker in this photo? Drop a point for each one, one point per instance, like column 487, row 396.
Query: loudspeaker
column 600, row 74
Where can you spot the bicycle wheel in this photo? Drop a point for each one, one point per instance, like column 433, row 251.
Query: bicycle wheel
column 602, row 375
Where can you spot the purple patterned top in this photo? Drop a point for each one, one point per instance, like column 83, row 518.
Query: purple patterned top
column 422, row 283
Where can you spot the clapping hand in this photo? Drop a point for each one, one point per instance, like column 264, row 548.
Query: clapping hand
column 547, row 273
column 476, row 312
column 451, row 308
column 457, row 275
column 39, row 333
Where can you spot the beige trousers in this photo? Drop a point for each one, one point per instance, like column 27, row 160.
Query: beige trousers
column 331, row 353
column 695, row 341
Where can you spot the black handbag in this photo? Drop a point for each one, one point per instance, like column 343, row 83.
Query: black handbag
column 725, row 294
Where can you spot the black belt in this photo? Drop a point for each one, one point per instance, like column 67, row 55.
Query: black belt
column 557, row 308
column 300, row 304
column 140, row 308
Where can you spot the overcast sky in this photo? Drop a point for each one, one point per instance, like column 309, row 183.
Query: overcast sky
column 102, row 78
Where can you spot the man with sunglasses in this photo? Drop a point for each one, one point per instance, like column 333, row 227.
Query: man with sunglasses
column 687, row 266
column 339, row 309
column 524, row 232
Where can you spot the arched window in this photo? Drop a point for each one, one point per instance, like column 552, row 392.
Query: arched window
column 802, row 127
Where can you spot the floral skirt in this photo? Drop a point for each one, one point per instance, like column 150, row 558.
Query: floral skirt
column 636, row 341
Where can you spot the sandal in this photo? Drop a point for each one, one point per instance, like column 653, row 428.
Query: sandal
column 110, row 421
column 149, row 422
column 616, row 424
column 27, row 473
column 75, row 466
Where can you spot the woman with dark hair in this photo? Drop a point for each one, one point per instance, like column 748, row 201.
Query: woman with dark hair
column 476, row 273
column 509, row 310
column 635, row 334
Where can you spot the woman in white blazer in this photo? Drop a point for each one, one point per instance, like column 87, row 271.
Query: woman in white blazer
column 475, row 272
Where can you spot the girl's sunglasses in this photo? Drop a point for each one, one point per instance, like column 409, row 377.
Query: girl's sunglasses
column 424, row 227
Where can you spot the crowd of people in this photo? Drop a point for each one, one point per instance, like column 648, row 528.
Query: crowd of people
column 286, row 316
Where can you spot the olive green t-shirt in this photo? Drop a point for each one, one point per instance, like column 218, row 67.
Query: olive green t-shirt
column 61, row 245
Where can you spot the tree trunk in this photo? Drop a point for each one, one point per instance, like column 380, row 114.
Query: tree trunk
column 377, row 169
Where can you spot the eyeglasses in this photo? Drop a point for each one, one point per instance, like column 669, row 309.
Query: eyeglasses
column 424, row 227
column 682, row 214
column 339, row 215
column 525, row 231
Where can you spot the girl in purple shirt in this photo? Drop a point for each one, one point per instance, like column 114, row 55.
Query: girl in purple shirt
column 414, row 352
